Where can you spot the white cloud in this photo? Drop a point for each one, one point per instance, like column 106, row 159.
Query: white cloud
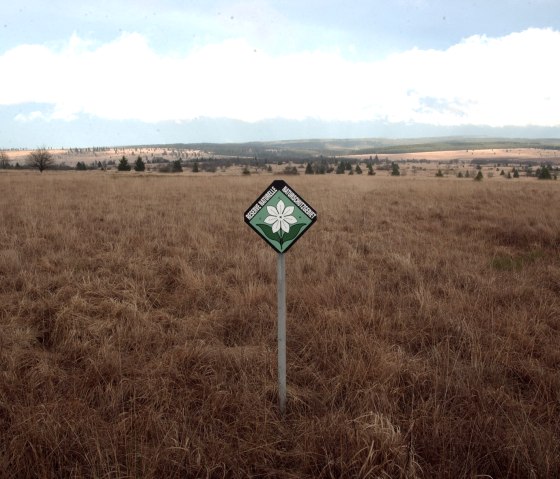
column 34, row 115
column 511, row 80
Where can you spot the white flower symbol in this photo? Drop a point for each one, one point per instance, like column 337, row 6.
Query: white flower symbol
column 280, row 217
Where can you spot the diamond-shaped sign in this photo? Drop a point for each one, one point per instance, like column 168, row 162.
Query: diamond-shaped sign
column 280, row 216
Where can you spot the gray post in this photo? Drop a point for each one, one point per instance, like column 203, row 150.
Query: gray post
column 282, row 333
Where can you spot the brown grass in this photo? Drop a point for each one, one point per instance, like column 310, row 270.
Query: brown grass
column 138, row 319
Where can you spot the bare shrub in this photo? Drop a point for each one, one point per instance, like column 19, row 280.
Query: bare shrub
column 40, row 159
column 4, row 160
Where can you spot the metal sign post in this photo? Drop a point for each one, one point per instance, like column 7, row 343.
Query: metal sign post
column 282, row 332
column 280, row 217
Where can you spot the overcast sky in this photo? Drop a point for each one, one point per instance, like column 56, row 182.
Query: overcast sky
column 74, row 72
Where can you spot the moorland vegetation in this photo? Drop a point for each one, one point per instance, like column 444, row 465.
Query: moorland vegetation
column 138, row 317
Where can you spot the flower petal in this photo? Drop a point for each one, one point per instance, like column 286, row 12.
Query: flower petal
column 288, row 210
column 270, row 219
column 290, row 220
column 272, row 210
column 276, row 227
column 280, row 207
column 285, row 226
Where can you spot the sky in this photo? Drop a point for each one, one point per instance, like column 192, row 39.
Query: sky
column 116, row 72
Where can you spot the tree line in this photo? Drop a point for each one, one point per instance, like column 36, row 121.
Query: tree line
column 41, row 159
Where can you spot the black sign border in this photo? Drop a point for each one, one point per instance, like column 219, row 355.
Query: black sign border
column 279, row 184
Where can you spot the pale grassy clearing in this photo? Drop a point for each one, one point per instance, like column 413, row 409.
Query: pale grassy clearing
column 503, row 155
column 138, row 329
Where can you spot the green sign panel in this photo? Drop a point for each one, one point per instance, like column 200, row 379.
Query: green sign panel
column 280, row 216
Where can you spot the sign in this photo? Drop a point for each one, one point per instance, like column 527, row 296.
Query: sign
column 280, row 216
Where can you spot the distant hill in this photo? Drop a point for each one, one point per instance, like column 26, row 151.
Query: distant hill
column 339, row 147
column 89, row 131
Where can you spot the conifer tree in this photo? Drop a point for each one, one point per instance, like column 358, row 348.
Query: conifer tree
column 139, row 165
column 176, row 166
column 123, row 164
column 544, row 173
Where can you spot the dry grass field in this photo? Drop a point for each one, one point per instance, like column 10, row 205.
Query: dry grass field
column 138, row 316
